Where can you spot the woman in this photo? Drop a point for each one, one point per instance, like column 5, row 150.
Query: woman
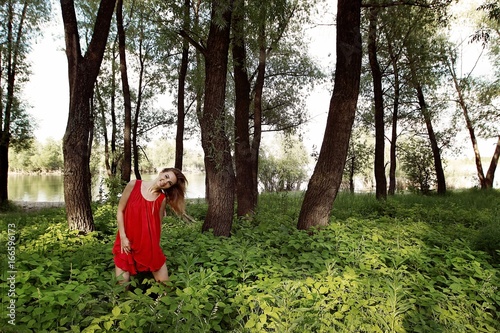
column 140, row 211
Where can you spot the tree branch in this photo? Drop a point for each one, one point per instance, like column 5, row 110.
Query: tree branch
column 197, row 45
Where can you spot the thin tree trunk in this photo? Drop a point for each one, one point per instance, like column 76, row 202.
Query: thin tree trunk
column 326, row 179
column 126, row 169
column 380, row 178
column 351, row 174
column 135, row 126
column 114, row 155
column 490, row 175
column 257, row 111
column 13, row 54
column 4, row 147
column 104, row 129
column 394, row 132
column 181, row 112
column 436, row 152
column 470, row 128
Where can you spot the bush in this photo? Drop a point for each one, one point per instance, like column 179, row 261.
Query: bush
column 488, row 240
column 418, row 165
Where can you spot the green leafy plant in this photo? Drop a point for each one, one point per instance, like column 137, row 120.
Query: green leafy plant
column 394, row 266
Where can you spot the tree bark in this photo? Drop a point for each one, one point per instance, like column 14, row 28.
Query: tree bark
column 327, row 176
column 126, row 169
column 82, row 73
column 380, row 178
column 215, row 143
column 245, row 196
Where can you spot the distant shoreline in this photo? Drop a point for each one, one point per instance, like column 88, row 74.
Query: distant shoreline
column 37, row 205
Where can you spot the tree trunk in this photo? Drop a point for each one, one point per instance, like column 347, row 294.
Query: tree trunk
column 436, row 152
column 114, row 155
column 101, row 107
column 470, row 128
column 257, row 112
column 380, row 179
column 5, row 115
column 216, row 146
column 82, row 72
column 490, row 175
column 351, row 174
column 4, row 166
column 243, row 151
column 181, row 112
column 326, row 179
column 126, row 168
column 135, row 126
column 395, row 111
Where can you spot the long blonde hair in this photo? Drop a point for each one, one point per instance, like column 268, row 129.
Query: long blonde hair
column 176, row 194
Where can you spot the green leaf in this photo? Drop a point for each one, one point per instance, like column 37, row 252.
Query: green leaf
column 116, row 311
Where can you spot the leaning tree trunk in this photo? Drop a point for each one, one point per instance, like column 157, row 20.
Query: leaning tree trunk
column 380, row 179
column 436, row 152
column 484, row 181
column 82, row 72
column 216, row 146
column 326, row 179
column 490, row 175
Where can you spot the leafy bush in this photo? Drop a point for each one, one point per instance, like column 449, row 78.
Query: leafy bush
column 488, row 240
column 418, row 165
column 283, row 167
column 394, row 266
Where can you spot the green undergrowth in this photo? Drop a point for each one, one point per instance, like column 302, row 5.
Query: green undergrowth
column 408, row 264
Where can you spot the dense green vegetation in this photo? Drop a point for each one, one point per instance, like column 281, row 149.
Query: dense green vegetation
column 409, row 264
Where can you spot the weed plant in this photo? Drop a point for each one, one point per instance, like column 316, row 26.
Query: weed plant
column 408, row 264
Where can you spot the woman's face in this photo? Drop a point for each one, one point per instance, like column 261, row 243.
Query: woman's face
column 166, row 180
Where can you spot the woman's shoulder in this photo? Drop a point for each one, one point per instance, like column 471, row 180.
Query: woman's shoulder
column 132, row 183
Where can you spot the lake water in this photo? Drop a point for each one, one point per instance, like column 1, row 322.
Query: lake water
column 50, row 188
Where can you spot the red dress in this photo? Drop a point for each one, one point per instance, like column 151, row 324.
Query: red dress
column 143, row 228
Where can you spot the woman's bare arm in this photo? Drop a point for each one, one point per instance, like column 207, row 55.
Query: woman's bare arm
column 125, row 244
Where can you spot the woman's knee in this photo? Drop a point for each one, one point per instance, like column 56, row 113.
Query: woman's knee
column 121, row 275
column 161, row 275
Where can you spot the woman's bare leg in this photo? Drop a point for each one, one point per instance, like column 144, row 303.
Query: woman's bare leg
column 161, row 275
column 121, row 275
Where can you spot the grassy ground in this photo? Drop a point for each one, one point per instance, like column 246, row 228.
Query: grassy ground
column 410, row 264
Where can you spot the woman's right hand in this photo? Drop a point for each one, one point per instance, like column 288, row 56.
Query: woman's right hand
column 125, row 245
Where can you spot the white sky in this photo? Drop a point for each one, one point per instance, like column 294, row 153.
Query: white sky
column 47, row 91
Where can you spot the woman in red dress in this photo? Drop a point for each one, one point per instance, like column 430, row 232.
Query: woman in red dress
column 140, row 211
